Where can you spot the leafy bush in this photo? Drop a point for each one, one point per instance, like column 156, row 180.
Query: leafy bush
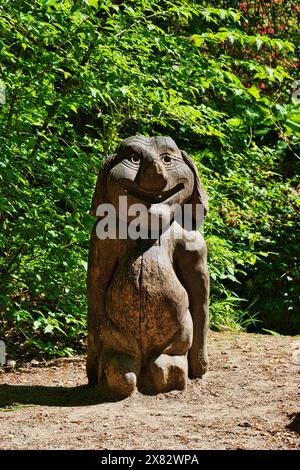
column 80, row 76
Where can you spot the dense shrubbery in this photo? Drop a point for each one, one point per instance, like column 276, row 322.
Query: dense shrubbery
column 80, row 76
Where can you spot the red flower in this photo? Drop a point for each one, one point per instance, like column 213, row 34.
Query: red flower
column 262, row 86
column 271, row 31
column 243, row 6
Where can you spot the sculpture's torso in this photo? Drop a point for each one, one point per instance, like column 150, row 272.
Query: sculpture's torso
column 145, row 298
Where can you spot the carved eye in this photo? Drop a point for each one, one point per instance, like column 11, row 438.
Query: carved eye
column 166, row 159
column 135, row 159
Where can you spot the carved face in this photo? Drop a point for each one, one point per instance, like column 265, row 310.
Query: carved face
column 151, row 171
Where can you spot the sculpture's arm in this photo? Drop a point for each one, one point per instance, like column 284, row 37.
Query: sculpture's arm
column 102, row 263
column 191, row 269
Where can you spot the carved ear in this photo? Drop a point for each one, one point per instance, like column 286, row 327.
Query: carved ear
column 100, row 194
column 199, row 195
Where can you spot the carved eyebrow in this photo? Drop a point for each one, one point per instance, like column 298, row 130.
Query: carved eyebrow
column 141, row 151
column 175, row 157
column 169, row 149
column 132, row 149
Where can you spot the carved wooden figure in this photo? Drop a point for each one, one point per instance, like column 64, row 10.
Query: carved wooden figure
column 148, row 298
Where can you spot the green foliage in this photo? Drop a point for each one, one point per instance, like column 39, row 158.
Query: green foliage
column 82, row 74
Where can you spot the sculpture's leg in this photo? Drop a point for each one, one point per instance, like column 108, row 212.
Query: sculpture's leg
column 192, row 271
column 166, row 373
column 198, row 357
column 169, row 371
column 120, row 372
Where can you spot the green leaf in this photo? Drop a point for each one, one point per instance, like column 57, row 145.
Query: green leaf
column 48, row 329
column 273, row 333
column 84, row 264
column 197, row 40
column 254, row 92
column 93, row 3
column 234, row 122
column 36, row 324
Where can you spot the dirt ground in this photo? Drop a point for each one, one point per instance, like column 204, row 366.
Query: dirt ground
column 248, row 400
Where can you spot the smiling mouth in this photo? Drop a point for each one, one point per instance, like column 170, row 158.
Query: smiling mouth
column 150, row 196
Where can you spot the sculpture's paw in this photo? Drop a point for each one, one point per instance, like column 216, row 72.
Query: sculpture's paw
column 121, row 384
column 121, row 374
column 164, row 374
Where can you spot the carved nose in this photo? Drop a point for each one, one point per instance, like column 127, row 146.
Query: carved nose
column 152, row 175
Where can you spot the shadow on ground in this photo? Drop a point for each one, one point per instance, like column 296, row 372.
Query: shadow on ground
column 295, row 423
column 13, row 395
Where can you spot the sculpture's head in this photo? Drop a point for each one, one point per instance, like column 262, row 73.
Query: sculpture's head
column 151, row 171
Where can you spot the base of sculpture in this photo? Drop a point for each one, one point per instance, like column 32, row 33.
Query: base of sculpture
column 164, row 374
column 120, row 375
